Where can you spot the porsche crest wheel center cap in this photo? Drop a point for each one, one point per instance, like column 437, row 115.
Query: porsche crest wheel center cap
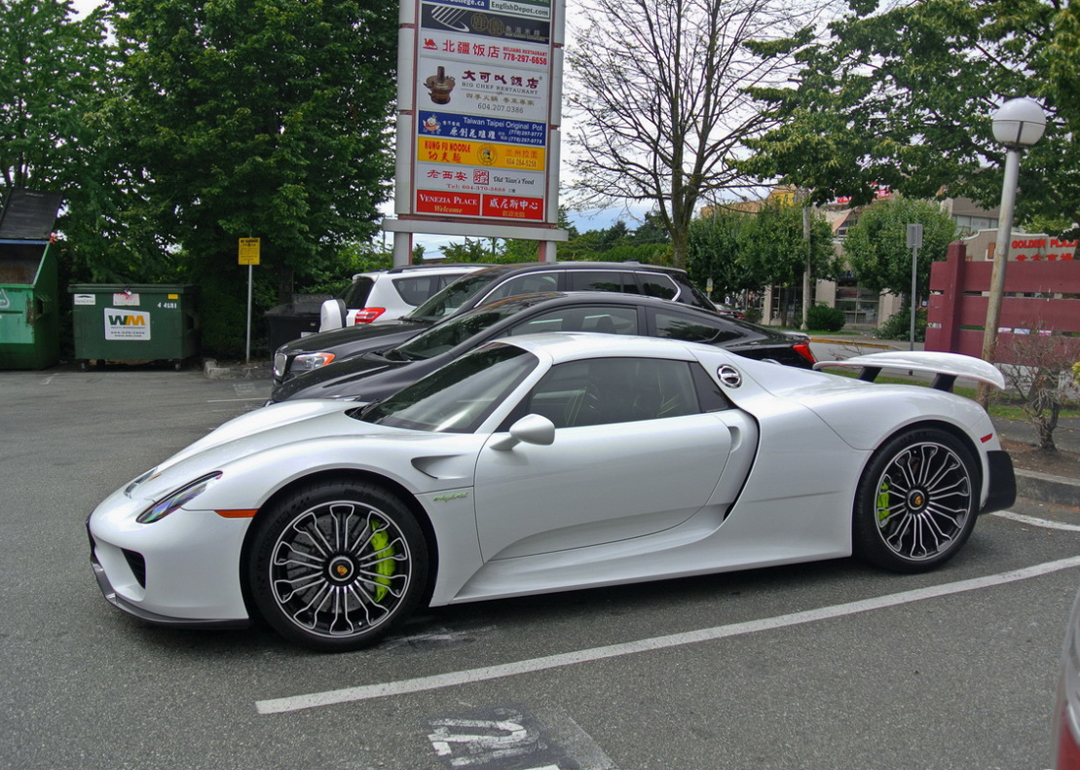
column 917, row 500
column 341, row 569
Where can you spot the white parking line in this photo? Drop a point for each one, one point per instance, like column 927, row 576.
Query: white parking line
column 471, row 676
column 1037, row 522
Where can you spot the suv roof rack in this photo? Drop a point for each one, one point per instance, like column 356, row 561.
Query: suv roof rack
column 407, row 268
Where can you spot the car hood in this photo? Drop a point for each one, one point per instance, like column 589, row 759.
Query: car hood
column 313, row 384
column 273, row 428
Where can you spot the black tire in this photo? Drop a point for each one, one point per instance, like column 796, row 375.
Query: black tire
column 337, row 565
column 917, row 501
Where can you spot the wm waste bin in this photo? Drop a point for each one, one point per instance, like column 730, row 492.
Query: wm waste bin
column 139, row 322
column 29, row 281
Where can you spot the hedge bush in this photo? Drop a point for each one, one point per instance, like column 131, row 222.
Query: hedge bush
column 825, row 318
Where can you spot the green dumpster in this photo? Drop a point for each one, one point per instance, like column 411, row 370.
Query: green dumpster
column 29, row 283
column 136, row 322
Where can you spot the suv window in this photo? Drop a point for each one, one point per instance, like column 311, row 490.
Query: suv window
column 530, row 283
column 602, row 391
column 357, row 293
column 414, row 289
column 599, row 280
column 657, row 285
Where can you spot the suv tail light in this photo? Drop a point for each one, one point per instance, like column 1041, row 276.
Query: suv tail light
column 368, row 314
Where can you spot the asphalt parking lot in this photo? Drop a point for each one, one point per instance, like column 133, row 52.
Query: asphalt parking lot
column 825, row 666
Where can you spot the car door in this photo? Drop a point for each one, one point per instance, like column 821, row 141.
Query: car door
column 634, row 454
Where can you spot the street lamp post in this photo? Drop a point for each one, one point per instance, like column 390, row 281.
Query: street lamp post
column 1018, row 124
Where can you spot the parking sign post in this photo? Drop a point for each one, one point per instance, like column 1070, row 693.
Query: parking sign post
column 249, row 255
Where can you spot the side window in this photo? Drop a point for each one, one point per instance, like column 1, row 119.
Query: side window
column 357, row 293
column 414, row 289
column 533, row 283
column 693, row 328
column 594, row 280
column 603, row 391
column 657, row 285
column 613, row 320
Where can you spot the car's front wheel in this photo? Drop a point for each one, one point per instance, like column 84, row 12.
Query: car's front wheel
column 917, row 501
column 336, row 565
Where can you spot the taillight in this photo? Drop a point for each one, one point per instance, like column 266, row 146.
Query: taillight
column 1068, row 752
column 803, row 349
column 368, row 314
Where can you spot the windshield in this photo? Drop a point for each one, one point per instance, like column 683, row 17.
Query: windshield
column 458, row 397
column 453, row 331
column 453, row 296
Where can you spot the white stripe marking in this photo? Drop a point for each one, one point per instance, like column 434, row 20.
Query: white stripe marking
column 1036, row 522
column 471, row 676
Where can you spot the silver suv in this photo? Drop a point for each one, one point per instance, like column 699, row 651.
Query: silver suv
column 386, row 295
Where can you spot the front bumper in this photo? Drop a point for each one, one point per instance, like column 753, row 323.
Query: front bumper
column 145, row 615
column 1002, row 492
column 182, row 571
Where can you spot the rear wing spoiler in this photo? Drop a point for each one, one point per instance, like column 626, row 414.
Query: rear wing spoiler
column 946, row 367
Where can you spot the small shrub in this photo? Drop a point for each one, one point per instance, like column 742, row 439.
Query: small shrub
column 753, row 315
column 898, row 326
column 825, row 318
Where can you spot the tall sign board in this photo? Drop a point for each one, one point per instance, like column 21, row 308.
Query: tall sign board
column 479, row 96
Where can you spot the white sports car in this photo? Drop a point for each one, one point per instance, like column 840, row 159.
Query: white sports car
column 546, row 463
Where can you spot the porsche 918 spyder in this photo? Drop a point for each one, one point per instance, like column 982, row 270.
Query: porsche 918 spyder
column 546, row 463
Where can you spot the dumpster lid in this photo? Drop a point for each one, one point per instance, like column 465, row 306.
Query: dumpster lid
column 29, row 215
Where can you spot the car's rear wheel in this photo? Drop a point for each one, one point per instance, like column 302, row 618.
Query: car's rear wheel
column 336, row 565
column 917, row 501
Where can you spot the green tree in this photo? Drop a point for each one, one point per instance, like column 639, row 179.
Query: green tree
column 774, row 252
column 902, row 95
column 55, row 71
column 51, row 67
column 651, row 230
column 487, row 250
column 255, row 118
column 742, row 250
column 876, row 246
column 713, row 252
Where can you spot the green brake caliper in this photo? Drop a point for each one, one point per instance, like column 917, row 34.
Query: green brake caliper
column 384, row 552
column 883, row 501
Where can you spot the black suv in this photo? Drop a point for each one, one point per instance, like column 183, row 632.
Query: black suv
column 480, row 288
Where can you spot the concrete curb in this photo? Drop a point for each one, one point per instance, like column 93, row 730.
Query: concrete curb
column 1048, row 488
column 252, row 371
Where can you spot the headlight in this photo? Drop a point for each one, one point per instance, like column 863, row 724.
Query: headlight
column 180, row 497
column 309, row 362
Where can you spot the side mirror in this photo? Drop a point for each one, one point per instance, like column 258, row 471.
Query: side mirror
column 530, row 429
column 332, row 315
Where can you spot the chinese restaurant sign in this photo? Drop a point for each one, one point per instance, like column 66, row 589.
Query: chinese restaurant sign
column 483, row 98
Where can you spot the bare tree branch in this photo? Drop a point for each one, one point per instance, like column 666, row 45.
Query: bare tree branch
column 657, row 96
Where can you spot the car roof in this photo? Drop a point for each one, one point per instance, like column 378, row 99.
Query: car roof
column 525, row 267
column 591, row 298
column 450, row 267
